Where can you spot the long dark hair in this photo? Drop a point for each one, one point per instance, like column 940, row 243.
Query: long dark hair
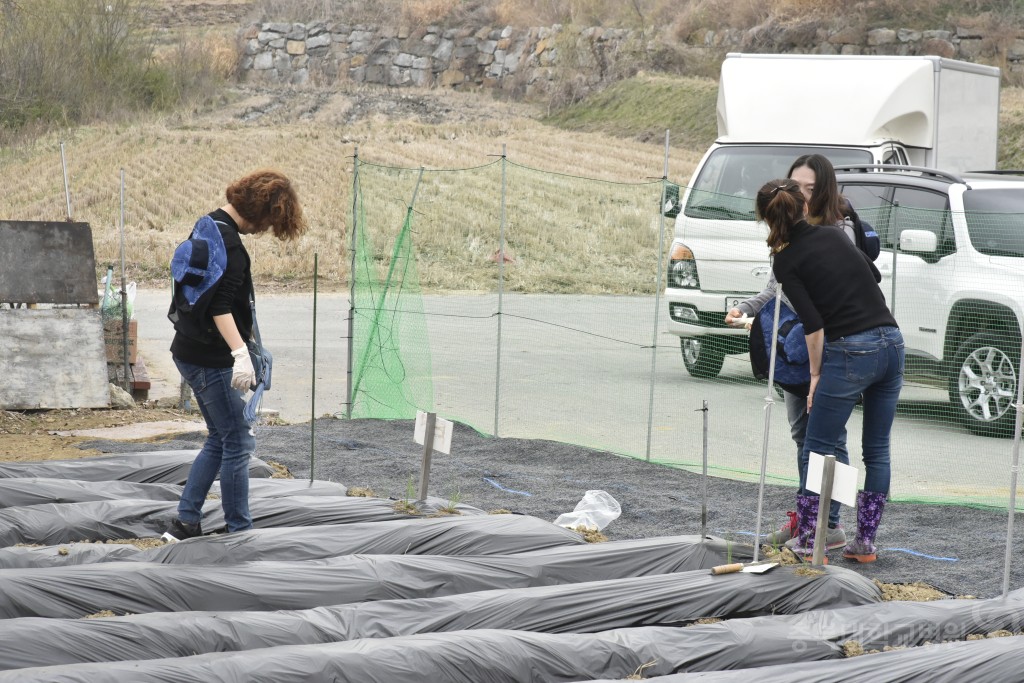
column 780, row 204
column 826, row 204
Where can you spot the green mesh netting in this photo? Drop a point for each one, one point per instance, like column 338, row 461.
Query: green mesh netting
column 546, row 317
column 391, row 365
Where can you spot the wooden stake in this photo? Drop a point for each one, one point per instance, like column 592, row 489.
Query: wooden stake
column 428, row 451
column 824, row 503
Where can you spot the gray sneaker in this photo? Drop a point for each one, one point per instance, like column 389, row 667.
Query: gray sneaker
column 834, row 538
column 785, row 533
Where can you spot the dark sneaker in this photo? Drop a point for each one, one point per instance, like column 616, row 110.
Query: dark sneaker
column 788, row 531
column 182, row 530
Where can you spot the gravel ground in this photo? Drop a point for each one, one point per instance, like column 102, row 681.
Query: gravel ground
column 959, row 550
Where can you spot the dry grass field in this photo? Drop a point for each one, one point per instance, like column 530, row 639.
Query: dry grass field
column 177, row 166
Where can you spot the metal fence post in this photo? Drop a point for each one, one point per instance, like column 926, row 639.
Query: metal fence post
column 1014, row 468
column 657, row 298
column 352, row 282
column 501, row 292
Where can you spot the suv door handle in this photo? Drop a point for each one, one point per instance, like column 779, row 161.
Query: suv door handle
column 760, row 271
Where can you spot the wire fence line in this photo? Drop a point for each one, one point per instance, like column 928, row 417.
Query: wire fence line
column 564, row 336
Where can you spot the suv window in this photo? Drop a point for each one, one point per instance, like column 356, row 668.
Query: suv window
column 918, row 209
column 872, row 203
column 868, row 197
column 732, row 175
column 993, row 220
column 892, row 209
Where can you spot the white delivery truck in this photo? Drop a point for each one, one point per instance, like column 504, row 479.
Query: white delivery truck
column 923, row 111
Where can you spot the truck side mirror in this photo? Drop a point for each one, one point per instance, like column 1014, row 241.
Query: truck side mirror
column 672, row 206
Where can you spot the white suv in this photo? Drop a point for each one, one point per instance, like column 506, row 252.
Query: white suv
column 952, row 267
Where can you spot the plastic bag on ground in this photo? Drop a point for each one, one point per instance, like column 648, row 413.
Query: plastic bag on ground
column 596, row 510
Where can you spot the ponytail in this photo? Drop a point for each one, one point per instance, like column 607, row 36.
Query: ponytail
column 780, row 204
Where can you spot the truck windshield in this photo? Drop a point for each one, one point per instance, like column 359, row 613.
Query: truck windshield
column 994, row 220
column 732, row 175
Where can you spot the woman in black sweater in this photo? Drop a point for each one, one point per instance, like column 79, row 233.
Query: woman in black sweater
column 854, row 345
column 210, row 351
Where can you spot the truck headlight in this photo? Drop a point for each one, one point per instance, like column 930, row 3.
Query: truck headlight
column 683, row 313
column 682, row 268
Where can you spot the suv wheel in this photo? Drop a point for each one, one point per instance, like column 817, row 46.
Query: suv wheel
column 983, row 384
column 702, row 358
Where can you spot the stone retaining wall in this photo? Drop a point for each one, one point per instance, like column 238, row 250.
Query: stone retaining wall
column 527, row 60
column 458, row 58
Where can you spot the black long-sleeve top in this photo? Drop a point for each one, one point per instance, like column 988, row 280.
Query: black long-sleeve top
column 831, row 283
column 231, row 295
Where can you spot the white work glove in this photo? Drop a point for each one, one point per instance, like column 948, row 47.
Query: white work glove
column 242, row 373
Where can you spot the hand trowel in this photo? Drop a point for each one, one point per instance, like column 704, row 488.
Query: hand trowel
column 758, row 568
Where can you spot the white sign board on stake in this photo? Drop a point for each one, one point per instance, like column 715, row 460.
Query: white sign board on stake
column 844, row 483
column 442, row 432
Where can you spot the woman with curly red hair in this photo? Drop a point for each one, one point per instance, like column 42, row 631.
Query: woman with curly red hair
column 217, row 365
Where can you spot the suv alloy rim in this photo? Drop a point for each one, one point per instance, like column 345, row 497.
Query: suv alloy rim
column 987, row 384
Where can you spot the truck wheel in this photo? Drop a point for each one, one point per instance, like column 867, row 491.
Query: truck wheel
column 983, row 384
column 702, row 358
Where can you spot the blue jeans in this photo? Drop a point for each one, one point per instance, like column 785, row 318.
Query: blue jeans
column 796, row 411
column 227, row 449
column 868, row 363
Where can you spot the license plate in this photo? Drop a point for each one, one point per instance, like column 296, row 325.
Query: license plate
column 733, row 300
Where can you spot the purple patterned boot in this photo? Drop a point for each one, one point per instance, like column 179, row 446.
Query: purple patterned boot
column 869, row 514
column 802, row 542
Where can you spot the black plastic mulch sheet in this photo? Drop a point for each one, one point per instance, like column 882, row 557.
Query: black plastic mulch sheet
column 103, row 520
column 586, row 607
column 500, row 656
column 149, row 467
column 301, row 510
column 39, row 491
column 464, row 657
column 22, row 491
column 473, row 535
column 138, row 587
column 972, row 661
column 86, row 552
column 99, row 520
